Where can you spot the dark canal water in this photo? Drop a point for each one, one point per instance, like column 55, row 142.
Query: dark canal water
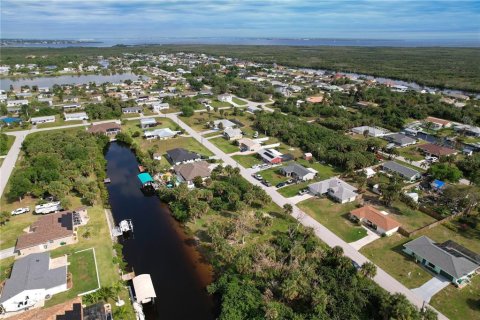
column 159, row 247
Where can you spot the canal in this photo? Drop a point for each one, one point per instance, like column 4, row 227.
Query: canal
column 160, row 247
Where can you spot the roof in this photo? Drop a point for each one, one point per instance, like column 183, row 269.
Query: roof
column 76, row 114
column 451, row 261
column 143, row 287
column 437, row 120
column 231, row 132
column 269, row 154
column 134, row 109
column 437, row 150
column 297, row 169
column 225, row 123
column 248, row 142
column 42, row 118
column 438, row 184
column 148, row 121
column 50, row 227
column 161, row 133
column 402, row 170
column 103, row 127
column 181, row 155
column 339, row 188
column 191, row 170
column 400, row 138
column 371, row 130
column 33, row 272
column 145, row 177
column 373, row 215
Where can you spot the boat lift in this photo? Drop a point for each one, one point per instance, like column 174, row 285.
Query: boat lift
column 123, row 227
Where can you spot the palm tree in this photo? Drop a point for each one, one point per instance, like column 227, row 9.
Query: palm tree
column 368, row 270
column 288, row 208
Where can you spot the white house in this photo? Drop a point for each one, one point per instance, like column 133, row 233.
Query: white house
column 371, row 131
column 253, row 109
column 37, row 120
column 232, row 133
column 75, row 116
column 157, row 107
column 33, row 280
column 224, row 124
column 17, row 103
column 225, row 97
column 162, row 134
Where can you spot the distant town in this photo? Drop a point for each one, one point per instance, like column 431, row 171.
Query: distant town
column 306, row 193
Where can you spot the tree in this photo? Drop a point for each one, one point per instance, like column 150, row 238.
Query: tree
column 187, row 111
column 20, row 185
column 4, row 217
column 391, row 191
column 288, row 208
column 445, row 171
column 368, row 269
column 197, row 181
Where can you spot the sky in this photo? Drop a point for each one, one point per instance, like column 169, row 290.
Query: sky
column 149, row 19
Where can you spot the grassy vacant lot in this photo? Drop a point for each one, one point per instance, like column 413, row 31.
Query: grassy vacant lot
column 247, row 161
column 239, row 101
column 199, row 120
column 411, row 153
column 220, row 104
column 459, row 303
column 225, row 145
column 10, row 140
column 59, row 121
column 334, row 216
column 273, row 175
column 131, row 126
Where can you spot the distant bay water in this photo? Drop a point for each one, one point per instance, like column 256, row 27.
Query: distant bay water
column 108, row 42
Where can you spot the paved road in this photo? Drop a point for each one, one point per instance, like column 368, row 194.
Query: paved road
column 382, row 278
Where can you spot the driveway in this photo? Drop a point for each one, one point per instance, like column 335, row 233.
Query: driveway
column 6, row 253
column 369, row 238
column 297, row 199
column 431, row 287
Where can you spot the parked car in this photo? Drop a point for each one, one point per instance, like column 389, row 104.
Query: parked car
column 266, row 183
column 431, row 159
column 302, row 192
column 20, row 211
column 257, row 176
column 281, row 184
column 289, row 181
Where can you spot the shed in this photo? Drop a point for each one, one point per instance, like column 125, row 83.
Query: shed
column 144, row 291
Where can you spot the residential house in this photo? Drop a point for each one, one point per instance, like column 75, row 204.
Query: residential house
column 468, row 130
column 48, row 101
column 373, row 218
column 407, row 173
column 223, row 124
column 437, row 123
column 69, row 107
column 233, row 133
column 45, row 119
column 132, row 110
column 246, row 144
column 75, row 116
column 162, row 134
column 33, row 279
column 271, row 156
column 179, row 155
column 225, row 97
column 186, row 172
column 253, row 109
column 448, row 259
column 157, row 106
column 431, row 149
column 298, row 172
column 109, row 128
column 148, row 122
column 371, row 131
column 315, row 99
column 48, row 232
column 336, row 188
column 400, row 139
column 17, row 103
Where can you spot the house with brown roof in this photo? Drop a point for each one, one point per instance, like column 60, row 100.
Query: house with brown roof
column 188, row 171
column 50, row 232
column 109, row 128
column 431, row 149
column 373, row 218
column 438, row 123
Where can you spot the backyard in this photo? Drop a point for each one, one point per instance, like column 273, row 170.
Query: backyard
column 334, row 216
column 411, row 153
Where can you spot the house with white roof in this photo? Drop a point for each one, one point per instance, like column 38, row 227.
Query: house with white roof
column 45, row 119
column 75, row 116
column 336, row 188
column 233, row 133
column 371, row 131
column 162, row 134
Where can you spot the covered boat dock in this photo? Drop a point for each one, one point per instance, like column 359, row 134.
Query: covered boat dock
column 143, row 286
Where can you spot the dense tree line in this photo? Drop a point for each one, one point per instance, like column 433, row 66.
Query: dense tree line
column 59, row 163
column 110, row 109
column 287, row 273
column 326, row 144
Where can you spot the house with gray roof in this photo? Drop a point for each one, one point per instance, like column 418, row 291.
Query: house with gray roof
column 299, row 172
column 400, row 139
column 405, row 172
column 162, row 134
column 336, row 188
column 447, row 259
column 33, row 279
column 371, row 131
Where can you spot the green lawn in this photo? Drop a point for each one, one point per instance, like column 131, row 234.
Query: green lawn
column 59, row 121
column 224, row 144
column 387, row 254
column 409, row 218
column 239, row 101
column 131, row 126
column 273, row 175
column 459, row 303
column 411, row 153
column 10, row 140
column 247, row 161
column 220, row 104
column 212, row 134
column 5, row 268
column 334, row 216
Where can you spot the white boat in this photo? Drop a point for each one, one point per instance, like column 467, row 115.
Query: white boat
column 124, row 226
column 48, row 207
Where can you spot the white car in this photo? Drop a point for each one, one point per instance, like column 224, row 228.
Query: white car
column 431, row 159
column 20, row 211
